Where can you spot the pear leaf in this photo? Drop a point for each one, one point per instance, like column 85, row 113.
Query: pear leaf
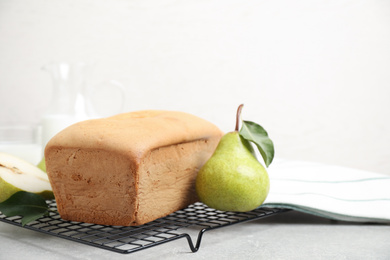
column 29, row 205
column 257, row 134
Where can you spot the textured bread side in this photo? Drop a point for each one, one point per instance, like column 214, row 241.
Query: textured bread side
column 93, row 186
column 167, row 178
column 128, row 169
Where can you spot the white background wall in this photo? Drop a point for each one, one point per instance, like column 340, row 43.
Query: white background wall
column 315, row 74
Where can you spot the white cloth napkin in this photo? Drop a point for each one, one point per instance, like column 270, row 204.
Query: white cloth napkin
column 329, row 191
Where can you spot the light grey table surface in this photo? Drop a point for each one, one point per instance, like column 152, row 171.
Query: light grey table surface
column 290, row 235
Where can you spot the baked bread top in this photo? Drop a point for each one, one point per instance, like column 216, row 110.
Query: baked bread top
column 145, row 130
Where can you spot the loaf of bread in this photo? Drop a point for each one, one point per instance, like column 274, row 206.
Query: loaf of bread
column 128, row 169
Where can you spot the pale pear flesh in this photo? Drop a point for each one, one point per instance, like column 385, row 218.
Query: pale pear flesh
column 17, row 174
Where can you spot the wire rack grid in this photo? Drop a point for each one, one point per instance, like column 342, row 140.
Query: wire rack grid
column 123, row 239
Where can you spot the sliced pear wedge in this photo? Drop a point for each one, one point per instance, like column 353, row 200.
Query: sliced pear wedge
column 17, row 174
column 42, row 164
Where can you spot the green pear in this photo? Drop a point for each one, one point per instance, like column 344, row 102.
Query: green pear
column 233, row 179
column 42, row 164
column 19, row 175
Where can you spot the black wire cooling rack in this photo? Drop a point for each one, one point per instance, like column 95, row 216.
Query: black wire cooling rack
column 122, row 239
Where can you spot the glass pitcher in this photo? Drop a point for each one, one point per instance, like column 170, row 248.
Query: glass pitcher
column 73, row 100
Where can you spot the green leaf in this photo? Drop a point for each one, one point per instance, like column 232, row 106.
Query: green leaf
column 29, row 205
column 257, row 134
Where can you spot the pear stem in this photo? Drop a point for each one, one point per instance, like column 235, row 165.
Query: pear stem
column 238, row 116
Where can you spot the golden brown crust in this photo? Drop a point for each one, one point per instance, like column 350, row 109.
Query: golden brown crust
column 115, row 170
column 136, row 132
